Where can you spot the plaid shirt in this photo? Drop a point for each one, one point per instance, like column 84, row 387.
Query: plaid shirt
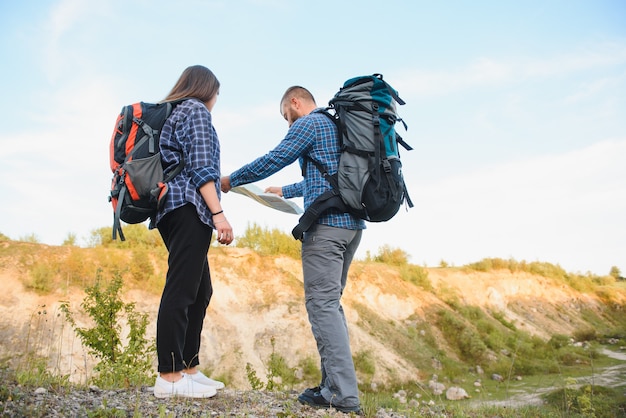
column 313, row 135
column 189, row 133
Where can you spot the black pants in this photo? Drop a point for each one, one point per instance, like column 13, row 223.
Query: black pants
column 187, row 289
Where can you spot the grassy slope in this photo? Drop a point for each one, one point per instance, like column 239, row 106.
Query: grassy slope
column 403, row 329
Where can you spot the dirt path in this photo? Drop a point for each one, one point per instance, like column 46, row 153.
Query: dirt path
column 613, row 376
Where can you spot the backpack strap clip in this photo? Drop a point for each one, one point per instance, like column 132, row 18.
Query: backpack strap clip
column 328, row 199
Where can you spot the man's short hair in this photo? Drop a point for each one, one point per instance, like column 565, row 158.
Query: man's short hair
column 299, row 92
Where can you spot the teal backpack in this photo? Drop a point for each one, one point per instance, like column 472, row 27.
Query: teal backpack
column 369, row 181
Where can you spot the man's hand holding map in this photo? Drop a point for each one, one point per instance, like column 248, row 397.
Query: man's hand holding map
column 267, row 199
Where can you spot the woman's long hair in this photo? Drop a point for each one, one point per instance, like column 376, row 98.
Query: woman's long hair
column 196, row 81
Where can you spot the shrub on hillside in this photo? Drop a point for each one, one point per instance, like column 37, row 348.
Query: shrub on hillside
column 32, row 238
column 471, row 346
column 559, row 341
column 611, row 297
column 269, row 242
column 416, row 275
column 500, row 317
column 614, row 272
column 141, row 267
column 41, row 277
column 461, row 336
column 391, row 256
column 547, row 270
column 585, row 334
column 137, row 235
column 490, row 264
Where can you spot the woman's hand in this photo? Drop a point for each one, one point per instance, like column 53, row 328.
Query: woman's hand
column 224, row 230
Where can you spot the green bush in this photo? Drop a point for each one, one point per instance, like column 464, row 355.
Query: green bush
column 558, row 341
column 547, row 270
column 32, row 238
column 42, row 277
column 364, row 363
column 35, row 373
column 587, row 401
column 70, row 240
column 137, row 235
column 499, row 316
column 471, row 346
column 585, row 334
column 461, row 336
column 118, row 365
column 279, row 376
column 615, row 273
column 269, row 242
column 310, row 369
column 416, row 275
column 141, row 267
column 610, row 297
column 392, row 256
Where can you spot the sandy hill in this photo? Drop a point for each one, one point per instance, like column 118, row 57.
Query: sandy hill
column 258, row 308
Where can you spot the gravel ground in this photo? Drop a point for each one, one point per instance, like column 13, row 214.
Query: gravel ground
column 16, row 401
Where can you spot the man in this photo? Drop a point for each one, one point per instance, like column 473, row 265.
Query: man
column 327, row 248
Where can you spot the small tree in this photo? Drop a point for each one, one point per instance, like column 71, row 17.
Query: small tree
column 119, row 365
column 70, row 239
column 32, row 238
column 616, row 273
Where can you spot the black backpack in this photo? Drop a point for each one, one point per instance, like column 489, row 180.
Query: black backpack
column 138, row 185
column 369, row 182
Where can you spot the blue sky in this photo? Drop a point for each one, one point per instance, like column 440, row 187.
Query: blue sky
column 516, row 111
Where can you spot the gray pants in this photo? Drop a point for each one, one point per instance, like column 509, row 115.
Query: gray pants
column 327, row 253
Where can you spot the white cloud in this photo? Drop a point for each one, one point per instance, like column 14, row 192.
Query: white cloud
column 62, row 17
column 486, row 71
column 58, row 35
column 595, row 87
column 589, row 56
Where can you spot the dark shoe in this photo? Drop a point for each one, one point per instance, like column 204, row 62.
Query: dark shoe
column 316, row 400
column 311, row 391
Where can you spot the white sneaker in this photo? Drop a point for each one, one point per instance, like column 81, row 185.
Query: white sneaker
column 184, row 387
column 199, row 377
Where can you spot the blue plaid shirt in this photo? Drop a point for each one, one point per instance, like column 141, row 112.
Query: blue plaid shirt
column 313, row 135
column 189, row 133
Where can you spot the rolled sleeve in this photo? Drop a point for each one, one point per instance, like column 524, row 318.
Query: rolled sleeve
column 203, row 175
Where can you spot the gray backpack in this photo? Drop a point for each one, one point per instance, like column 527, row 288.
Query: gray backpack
column 138, row 184
column 369, row 182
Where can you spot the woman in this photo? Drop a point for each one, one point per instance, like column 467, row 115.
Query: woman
column 189, row 213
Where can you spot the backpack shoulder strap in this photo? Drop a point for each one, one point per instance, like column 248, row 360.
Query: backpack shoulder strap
column 181, row 165
column 322, row 169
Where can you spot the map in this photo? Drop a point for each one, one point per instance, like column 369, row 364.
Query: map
column 267, row 199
